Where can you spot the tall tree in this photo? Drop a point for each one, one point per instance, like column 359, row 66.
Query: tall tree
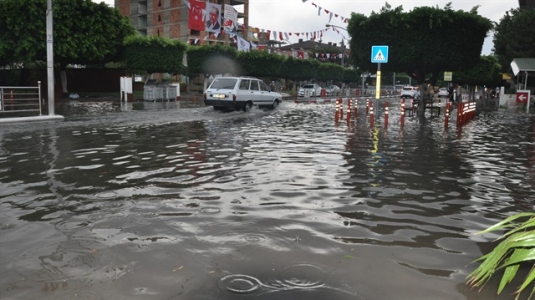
column 212, row 60
column 514, row 36
column 85, row 32
column 422, row 43
column 486, row 73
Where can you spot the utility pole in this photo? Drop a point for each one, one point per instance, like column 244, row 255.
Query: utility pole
column 50, row 57
column 343, row 52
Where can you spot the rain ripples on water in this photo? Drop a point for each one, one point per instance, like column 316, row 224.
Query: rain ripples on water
column 186, row 203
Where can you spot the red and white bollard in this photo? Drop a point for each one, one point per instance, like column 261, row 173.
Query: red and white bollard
column 386, row 114
column 447, row 116
column 337, row 107
column 371, row 114
column 341, row 108
column 402, row 113
column 367, row 106
column 355, row 106
column 348, row 118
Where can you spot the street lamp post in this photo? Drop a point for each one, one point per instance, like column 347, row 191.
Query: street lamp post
column 343, row 46
column 291, row 47
column 50, row 57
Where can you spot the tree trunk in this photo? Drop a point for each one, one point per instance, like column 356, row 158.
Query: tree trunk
column 63, row 78
column 422, row 88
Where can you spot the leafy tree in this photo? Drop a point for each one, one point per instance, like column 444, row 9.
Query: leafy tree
column 486, row 73
column 212, row 59
column 154, row 54
column 514, row 36
column 299, row 69
column 422, row 43
column 351, row 75
column 329, row 71
column 84, row 32
column 260, row 63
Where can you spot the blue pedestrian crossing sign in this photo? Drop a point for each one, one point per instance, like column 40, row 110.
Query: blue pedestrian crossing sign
column 379, row 54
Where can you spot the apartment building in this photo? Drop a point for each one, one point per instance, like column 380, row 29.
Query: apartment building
column 169, row 18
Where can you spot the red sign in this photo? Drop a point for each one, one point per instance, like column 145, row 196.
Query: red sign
column 522, row 97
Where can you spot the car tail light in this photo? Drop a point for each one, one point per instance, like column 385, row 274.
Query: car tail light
column 233, row 97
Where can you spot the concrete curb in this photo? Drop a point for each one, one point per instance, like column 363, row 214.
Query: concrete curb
column 32, row 119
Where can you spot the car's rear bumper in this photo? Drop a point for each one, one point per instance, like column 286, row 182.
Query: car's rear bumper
column 224, row 103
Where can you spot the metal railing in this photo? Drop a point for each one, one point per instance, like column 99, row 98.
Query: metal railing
column 17, row 101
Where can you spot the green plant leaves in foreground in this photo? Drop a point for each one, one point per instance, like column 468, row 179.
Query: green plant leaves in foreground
column 516, row 247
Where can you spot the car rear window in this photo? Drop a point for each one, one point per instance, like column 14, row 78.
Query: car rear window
column 223, row 83
column 407, row 88
column 308, row 86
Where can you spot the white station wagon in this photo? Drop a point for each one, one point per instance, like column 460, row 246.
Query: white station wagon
column 240, row 93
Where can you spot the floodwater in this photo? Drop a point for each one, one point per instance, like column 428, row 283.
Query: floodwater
column 163, row 201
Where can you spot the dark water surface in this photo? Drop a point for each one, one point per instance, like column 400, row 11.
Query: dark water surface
column 170, row 202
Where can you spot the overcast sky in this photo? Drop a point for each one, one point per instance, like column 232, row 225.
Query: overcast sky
column 296, row 16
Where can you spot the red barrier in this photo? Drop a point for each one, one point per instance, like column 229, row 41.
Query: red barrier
column 357, row 93
column 323, row 93
column 465, row 112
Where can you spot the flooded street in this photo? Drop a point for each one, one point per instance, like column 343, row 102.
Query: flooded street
column 170, row 201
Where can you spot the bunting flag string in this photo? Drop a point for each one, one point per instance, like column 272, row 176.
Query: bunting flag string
column 328, row 12
column 311, row 33
column 282, row 35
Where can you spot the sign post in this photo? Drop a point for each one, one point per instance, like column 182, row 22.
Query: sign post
column 379, row 55
column 523, row 96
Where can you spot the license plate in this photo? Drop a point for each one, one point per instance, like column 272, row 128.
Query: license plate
column 219, row 96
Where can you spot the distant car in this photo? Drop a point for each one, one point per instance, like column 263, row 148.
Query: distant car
column 240, row 93
column 443, row 92
column 399, row 88
column 310, row 90
column 332, row 90
column 388, row 90
column 410, row 92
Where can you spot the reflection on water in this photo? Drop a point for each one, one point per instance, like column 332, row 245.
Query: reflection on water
column 188, row 203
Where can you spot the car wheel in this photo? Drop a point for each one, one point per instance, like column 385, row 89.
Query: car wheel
column 247, row 107
column 275, row 104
